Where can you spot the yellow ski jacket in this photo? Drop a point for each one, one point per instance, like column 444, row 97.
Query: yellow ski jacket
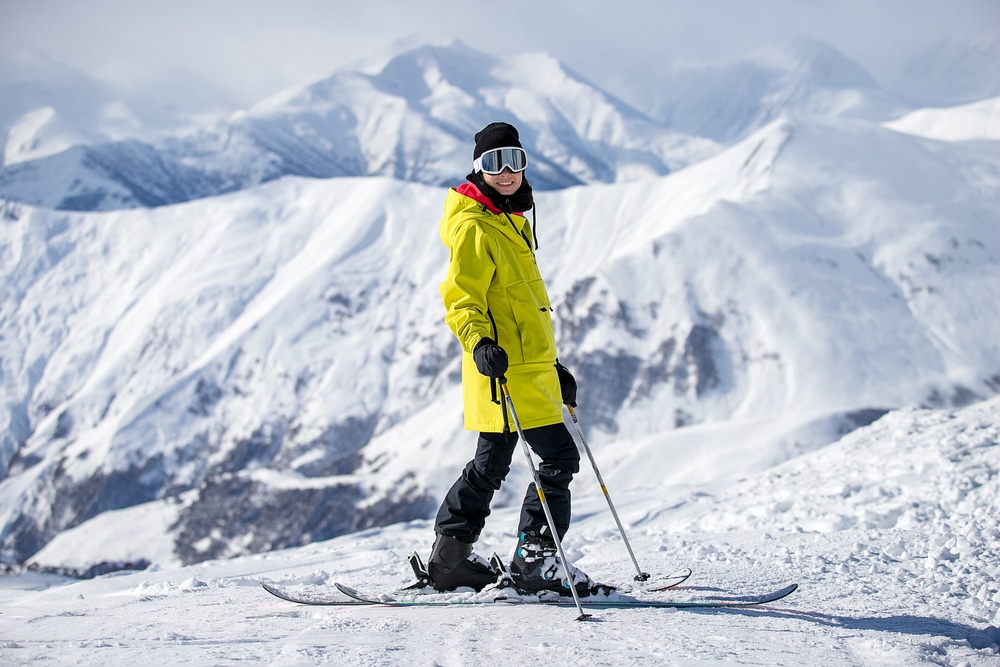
column 493, row 290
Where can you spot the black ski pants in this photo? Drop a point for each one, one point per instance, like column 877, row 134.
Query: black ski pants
column 464, row 510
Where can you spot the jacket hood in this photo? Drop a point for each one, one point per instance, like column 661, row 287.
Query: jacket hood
column 520, row 201
column 472, row 191
column 466, row 203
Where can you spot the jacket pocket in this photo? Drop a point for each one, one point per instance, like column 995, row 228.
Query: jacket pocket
column 529, row 303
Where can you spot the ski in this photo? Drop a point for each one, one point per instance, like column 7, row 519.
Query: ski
column 505, row 582
column 508, row 596
column 319, row 597
column 661, row 584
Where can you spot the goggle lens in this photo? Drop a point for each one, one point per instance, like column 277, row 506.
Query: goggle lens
column 495, row 161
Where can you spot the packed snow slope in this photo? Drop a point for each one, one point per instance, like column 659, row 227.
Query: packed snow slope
column 891, row 532
column 270, row 367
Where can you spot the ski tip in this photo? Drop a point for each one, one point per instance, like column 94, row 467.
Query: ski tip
column 779, row 594
column 670, row 581
column 277, row 592
column 348, row 591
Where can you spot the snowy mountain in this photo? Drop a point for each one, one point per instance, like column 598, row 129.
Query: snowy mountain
column 951, row 73
column 47, row 108
column 894, row 568
column 410, row 121
column 270, row 368
column 977, row 120
column 727, row 102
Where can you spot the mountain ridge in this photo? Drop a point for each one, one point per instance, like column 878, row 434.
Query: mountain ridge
column 411, row 120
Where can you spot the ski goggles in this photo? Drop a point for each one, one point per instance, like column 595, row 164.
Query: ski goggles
column 494, row 161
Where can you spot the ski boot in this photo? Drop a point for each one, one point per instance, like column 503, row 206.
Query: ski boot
column 453, row 565
column 535, row 568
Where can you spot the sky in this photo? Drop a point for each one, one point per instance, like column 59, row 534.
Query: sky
column 246, row 50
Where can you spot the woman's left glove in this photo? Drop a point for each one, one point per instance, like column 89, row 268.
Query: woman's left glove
column 568, row 385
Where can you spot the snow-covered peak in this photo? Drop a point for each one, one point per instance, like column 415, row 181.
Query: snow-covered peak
column 415, row 74
column 726, row 102
column 47, row 108
column 413, row 120
column 978, row 120
column 951, row 73
column 814, row 62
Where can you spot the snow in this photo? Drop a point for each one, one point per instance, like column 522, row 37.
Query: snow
column 147, row 537
column 892, row 533
column 978, row 120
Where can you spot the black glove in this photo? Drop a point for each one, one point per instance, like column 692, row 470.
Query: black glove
column 490, row 358
column 568, row 385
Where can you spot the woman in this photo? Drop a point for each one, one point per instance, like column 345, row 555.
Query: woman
column 497, row 306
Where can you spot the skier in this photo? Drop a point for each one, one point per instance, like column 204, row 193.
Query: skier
column 497, row 306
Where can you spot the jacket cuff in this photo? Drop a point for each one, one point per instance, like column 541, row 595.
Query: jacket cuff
column 485, row 340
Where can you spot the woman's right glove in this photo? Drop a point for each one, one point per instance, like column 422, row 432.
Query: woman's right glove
column 490, row 358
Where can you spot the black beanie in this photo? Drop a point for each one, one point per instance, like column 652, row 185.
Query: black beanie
column 495, row 135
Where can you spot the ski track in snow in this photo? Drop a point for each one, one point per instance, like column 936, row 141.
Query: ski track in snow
column 892, row 534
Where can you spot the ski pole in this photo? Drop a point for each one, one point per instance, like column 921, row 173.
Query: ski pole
column 541, row 496
column 640, row 575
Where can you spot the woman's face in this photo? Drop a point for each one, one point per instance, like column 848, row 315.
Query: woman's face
column 506, row 182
